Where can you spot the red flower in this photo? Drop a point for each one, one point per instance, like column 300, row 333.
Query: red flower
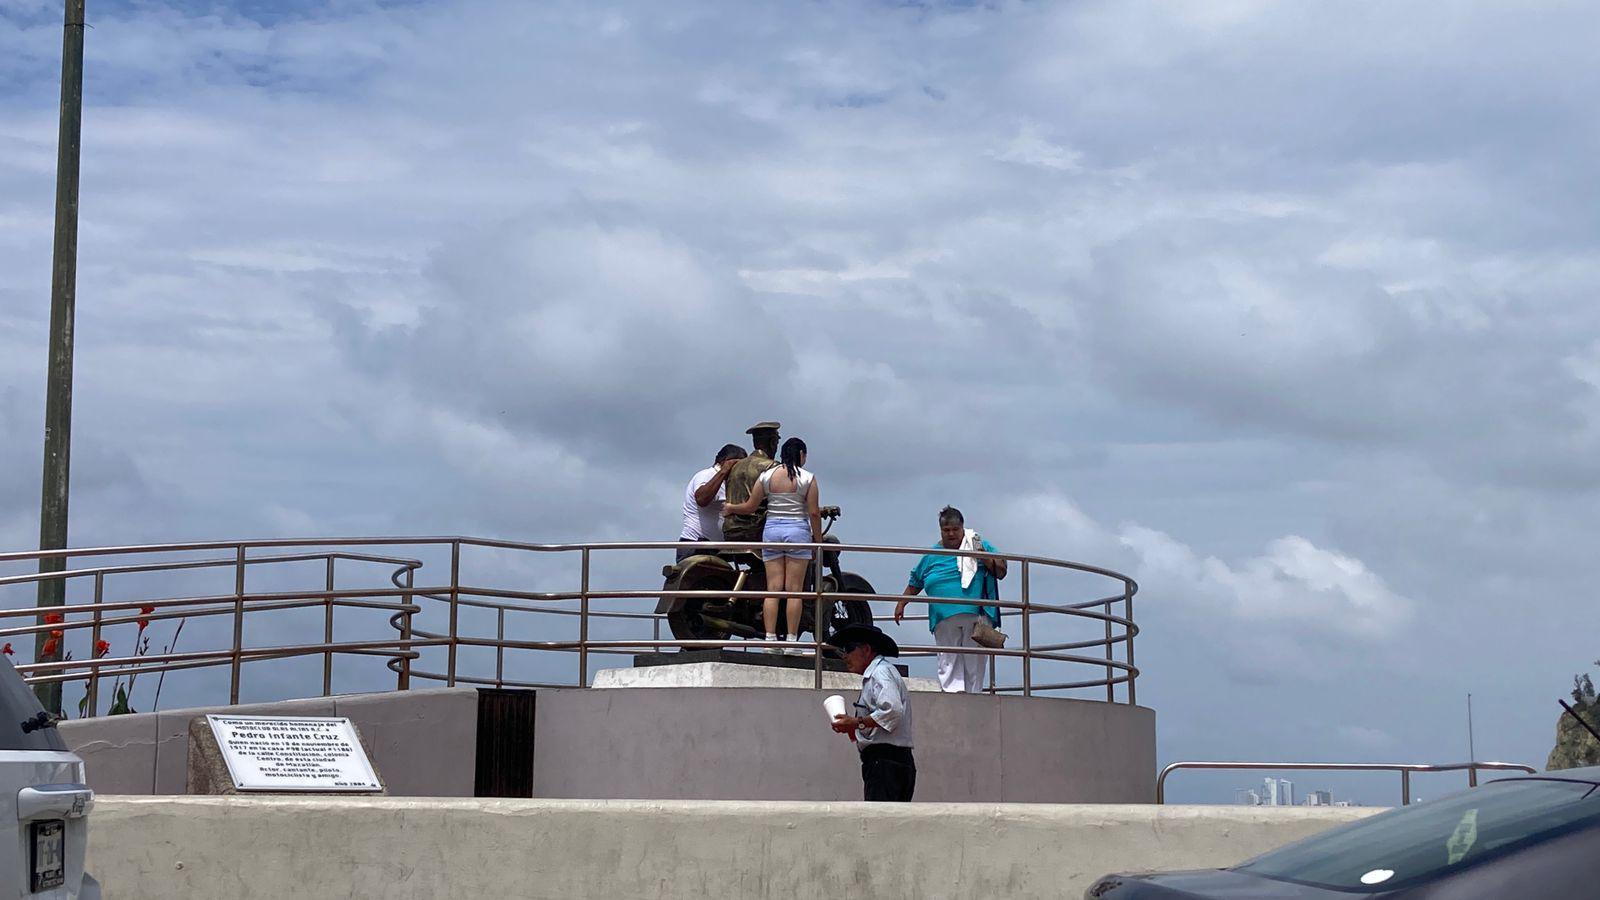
column 145, row 611
column 101, row 648
column 50, row 646
column 7, row 650
column 52, row 618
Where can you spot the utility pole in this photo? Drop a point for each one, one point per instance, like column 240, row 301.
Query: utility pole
column 1472, row 753
column 58, row 383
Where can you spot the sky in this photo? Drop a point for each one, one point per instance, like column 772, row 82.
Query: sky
column 1285, row 311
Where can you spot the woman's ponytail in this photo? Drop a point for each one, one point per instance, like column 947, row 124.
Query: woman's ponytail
column 793, row 449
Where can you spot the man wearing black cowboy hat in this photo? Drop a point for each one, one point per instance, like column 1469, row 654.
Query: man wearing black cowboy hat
column 882, row 726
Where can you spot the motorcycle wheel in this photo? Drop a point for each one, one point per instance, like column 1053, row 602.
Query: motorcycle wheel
column 686, row 621
column 688, row 625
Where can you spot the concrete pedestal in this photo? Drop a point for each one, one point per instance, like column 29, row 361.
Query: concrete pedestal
column 756, row 743
column 686, row 742
column 737, row 675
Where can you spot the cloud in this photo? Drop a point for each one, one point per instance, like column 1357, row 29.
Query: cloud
column 588, row 325
column 1295, row 589
column 1031, row 148
column 1362, row 737
column 1293, row 581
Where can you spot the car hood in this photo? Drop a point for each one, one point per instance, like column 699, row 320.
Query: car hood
column 1207, row 884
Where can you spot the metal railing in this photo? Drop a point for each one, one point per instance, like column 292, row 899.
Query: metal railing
column 1405, row 770
column 1105, row 659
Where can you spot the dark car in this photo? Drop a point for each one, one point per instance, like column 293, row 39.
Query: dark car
column 1527, row 837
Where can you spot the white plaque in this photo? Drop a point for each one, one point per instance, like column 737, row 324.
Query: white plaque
column 268, row 753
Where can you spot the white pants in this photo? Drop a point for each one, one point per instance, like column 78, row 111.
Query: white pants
column 959, row 672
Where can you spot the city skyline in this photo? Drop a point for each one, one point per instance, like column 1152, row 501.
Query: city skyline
column 1280, row 792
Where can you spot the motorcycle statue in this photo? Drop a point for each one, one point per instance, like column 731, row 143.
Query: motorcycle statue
column 720, row 618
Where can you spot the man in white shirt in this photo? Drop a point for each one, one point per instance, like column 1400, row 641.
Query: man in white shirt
column 882, row 726
column 703, row 499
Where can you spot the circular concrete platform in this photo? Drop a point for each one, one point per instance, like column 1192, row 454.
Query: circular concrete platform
column 747, row 743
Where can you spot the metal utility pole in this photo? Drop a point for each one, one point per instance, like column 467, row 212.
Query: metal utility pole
column 1472, row 752
column 63, row 298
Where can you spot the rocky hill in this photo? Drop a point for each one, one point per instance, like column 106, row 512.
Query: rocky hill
column 1574, row 746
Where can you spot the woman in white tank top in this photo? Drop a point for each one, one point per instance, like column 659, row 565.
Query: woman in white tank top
column 793, row 517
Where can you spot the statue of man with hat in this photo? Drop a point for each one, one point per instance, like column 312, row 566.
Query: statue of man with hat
column 764, row 440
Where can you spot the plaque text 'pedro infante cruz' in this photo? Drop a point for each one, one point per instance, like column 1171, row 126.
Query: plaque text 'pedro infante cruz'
column 266, row 753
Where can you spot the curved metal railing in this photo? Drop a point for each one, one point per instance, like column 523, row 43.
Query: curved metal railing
column 424, row 618
column 1405, row 769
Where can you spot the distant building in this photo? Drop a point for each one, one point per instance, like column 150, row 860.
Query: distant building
column 1277, row 792
column 1280, row 792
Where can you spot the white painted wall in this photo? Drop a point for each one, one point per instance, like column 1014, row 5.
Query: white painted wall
column 174, row 848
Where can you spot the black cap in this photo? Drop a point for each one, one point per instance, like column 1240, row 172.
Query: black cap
column 761, row 426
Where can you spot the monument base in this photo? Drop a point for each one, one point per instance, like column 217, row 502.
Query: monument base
column 690, row 743
column 805, row 663
column 715, row 673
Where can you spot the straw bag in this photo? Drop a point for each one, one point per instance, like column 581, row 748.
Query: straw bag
column 985, row 634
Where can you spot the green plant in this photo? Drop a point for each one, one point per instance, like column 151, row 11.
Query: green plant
column 1583, row 688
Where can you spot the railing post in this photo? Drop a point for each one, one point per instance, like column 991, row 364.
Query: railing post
column 94, row 645
column 1027, row 638
column 1127, row 612
column 500, row 648
column 455, row 597
column 327, row 632
column 1405, row 787
column 816, row 619
column 238, row 624
column 404, row 680
column 583, row 622
column 1111, row 684
column 1472, row 774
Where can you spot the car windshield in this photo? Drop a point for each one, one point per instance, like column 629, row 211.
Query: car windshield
column 1429, row 840
column 17, row 704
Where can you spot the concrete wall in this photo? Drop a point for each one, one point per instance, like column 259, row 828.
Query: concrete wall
column 424, row 742
column 774, row 744
column 174, row 848
column 688, row 743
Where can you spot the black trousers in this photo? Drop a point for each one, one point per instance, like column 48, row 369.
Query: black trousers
column 888, row 773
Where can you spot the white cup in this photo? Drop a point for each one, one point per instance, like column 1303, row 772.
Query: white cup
column 834, row 706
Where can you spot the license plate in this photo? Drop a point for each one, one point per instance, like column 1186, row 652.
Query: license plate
column 49, row 854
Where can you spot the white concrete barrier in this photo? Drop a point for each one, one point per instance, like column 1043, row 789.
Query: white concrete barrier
column 247, row 847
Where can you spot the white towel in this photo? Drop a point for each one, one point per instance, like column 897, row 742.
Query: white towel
column 968, row 565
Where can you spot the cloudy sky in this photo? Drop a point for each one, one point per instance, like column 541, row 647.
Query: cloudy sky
column 1285, row 310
